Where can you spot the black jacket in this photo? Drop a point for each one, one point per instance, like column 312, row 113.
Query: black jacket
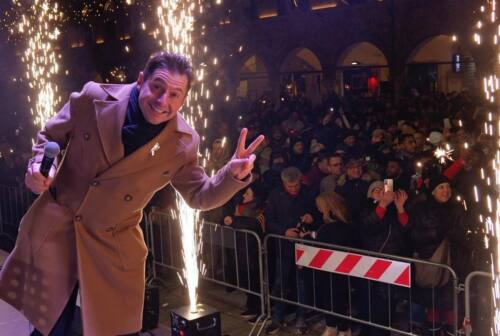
column 430, row 222
column 381, row 235
column 335, row 232
column 283, row 212
column 354, row 193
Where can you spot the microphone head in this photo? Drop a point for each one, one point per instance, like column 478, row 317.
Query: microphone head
column 51, row 149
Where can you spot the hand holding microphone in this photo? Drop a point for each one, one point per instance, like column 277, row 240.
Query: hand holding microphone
column 40, row 175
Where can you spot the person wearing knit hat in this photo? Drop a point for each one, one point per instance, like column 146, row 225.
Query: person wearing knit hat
column 439, row 187
column 433, row 220
column 374, row 185
column 435, row 138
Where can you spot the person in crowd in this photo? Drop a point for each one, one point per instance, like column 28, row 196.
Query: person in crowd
column 431, row 222
column 350, row 145
column 420, row 139
column 318, row 171
column 406, row 153
column 394, row 170
column 354, row 189
column 293, row 125
column 332, row 290
column 336, row 169
column 382, row 218
column 298, row 156
column 248, row 214
column 287, row 206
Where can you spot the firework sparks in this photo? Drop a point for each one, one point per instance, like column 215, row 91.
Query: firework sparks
column 190, row 232
column 491, row 210
column 175, row 32
column 443, row 154
column 38, row 26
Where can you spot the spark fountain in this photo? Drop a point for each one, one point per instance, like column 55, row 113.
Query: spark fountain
column 38, row 26
column 176, row 26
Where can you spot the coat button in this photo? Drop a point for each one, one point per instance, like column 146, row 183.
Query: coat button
column 78, row 218
column 96, row 183
column 86, row 136
column 127, row 198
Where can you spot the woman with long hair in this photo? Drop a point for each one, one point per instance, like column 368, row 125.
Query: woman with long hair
column 333, row 288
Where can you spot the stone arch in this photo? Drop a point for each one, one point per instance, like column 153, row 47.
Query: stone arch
column 362, row 67
column 253, row 78
column 364, row 54
column 438, row 63
column 302, row 72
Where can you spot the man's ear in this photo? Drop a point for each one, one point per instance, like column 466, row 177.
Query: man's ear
column 140, row 80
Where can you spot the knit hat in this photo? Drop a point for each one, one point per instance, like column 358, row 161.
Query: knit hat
column 435, row 137
column 373, row 185
column 435, row 181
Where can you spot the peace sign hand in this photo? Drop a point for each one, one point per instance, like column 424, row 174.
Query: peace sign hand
column 242, row 162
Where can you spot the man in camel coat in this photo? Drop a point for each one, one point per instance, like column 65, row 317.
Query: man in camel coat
column 121, row 143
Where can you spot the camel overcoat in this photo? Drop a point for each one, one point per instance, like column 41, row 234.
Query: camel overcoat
column 89, row 232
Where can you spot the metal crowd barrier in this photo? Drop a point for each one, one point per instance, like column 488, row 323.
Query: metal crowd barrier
column 232, row 257
column 470, row 322
column 363, row 299
column 14, row 202
column 229, row 261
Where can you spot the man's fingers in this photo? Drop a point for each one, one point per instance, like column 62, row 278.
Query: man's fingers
column 50, row 178
column 253, row 146
column 52, row 172
column 35, row 181
column 249, row 162
column 241, row 142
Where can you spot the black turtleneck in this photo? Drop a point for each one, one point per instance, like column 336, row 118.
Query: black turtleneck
column 136, row 131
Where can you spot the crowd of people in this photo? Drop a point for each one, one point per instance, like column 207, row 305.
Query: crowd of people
column 360, row 172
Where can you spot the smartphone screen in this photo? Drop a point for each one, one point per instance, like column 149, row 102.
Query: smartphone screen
column 388, row 185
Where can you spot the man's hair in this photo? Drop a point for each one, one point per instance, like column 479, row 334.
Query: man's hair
column 335, row 155
column 291, row 174
column 172, row 62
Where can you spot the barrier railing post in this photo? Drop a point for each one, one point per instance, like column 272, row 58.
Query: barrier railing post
column 467, row 318
column 211, row 276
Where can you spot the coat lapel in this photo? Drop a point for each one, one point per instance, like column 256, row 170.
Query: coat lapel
column 110, row 115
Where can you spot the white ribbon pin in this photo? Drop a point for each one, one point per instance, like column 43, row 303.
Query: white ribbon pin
column 154, row 149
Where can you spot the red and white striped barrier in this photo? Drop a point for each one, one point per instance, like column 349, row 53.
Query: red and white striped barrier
column 384, row 270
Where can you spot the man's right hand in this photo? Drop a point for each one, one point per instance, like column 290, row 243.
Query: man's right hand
column 35, row 181
column 292, row 233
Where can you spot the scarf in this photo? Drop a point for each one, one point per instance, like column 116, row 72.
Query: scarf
column 136, row 131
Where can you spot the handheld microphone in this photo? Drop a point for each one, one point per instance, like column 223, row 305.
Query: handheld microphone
column 50, row 151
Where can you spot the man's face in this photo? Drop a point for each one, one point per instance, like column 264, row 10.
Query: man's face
column 292, row 188
column 161, row 95
column 409, row 145
column 393, row 169
column 377, row 137
column 335, row 165
column 419, row 140
column 298, row 148
column 354, row 171
column 350, row 140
